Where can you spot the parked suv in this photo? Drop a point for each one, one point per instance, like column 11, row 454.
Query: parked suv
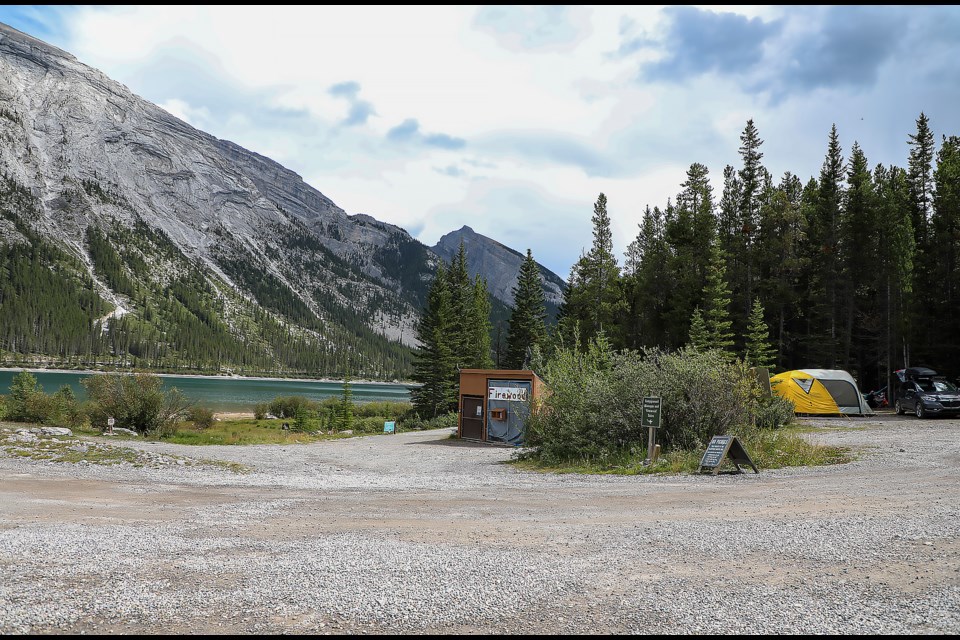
column 928, row 396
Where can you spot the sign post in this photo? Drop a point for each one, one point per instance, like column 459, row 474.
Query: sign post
column 110, row 423
column 650, row 417
column 721, row 447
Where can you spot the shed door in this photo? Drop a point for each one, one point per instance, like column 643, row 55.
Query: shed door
column 508, row 408
column 471, row 418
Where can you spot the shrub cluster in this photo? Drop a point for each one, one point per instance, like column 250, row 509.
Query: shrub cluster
column 593, row 409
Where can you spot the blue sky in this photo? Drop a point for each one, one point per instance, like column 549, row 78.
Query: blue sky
column 513, row 119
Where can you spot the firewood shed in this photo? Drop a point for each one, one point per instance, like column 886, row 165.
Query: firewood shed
column 495, row 404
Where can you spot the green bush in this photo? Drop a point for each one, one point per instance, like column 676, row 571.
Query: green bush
column 201, row 417
column 381, row 408
column 26, row 402
column 443, row 421
column 135, row 401
column 774, row 412
column 593, row 408
column 260, row 410
column 287, row 406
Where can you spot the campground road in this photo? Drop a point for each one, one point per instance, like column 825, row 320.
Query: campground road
column 417, row 533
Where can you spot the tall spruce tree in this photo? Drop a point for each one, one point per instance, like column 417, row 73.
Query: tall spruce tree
column 601, row 279
column 528, row 317
column 434, row 365
column 716, row 302
column 462, row 306
column 758, row 352
column 688, row 234
column 479, row 352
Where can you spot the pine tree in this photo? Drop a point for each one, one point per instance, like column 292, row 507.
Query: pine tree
column 758, row 352
column 528, row 316
column 699, row 336
column 479, row 353
column 462, row 306
column 688, row 233
column 601, row 279
column 434, row 365
column 716, row 301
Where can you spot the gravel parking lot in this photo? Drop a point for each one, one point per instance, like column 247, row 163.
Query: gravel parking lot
column 418, row 533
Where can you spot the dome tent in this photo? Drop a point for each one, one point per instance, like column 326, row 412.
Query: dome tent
column 821, row 392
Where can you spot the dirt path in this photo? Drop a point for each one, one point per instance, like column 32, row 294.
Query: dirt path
column 420, row 533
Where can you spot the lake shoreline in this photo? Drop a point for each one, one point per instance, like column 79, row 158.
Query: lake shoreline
column 203, row 377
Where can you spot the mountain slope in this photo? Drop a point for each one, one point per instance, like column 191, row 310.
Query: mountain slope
column 499, row 264
column 172, row 249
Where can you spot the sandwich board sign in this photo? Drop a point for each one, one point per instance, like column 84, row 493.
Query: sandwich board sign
column 390, row 427
column 721, row 447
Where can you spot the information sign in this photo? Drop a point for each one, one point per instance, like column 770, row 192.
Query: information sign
column 721, row 447
column 389, row 427
column 650, row 416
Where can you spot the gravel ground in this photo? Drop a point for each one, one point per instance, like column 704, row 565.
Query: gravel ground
column 417, row 533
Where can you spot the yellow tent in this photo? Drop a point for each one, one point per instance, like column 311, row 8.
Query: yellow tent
column 820, row 392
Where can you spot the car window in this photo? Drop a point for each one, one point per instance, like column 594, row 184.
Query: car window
column 943, row 386
column 926, row 385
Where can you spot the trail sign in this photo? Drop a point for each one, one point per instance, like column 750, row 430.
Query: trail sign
column 389, row 427
column 721, row 447
column 650, row 415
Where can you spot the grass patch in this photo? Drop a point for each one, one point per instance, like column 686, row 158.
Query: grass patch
column 769, row 449
column 244, row 431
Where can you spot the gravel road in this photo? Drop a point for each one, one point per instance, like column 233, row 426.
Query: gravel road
column 418, row 533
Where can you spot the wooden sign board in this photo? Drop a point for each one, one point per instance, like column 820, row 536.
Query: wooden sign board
column 721, row 447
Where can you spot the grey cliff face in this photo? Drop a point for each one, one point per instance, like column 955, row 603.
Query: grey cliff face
column 94, row 155
column 67, row 123
column 499, row 264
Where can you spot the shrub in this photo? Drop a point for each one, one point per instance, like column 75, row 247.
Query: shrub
column 260, row 410
column 66, row 410
column 136, row 401
column 287, row 406
column 774, row 412
column 26, row 399
column 593, row 408
column 201, row 417
column 443, row 421
column 382, row 408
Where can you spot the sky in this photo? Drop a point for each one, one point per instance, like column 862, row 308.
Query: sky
column 513, row 119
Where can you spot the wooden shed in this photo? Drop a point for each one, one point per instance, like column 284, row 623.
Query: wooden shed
column 496, row 403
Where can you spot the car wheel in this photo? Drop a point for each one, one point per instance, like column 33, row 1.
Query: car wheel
column 898, row 408
column 920, row 412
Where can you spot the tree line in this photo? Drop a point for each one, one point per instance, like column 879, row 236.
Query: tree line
column 856, row 268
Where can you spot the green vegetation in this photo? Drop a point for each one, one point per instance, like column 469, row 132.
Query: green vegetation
column 768, row 450
column 528, row 316
column 856, row 269
column 591, row 419
column 454, row 333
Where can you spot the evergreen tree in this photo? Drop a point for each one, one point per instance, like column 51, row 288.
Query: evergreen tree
column 699, row 336
column 346, row 406
column 825, row 236
column 434, row 366
column 688, row 235
column 758, row 352
column 478, row 355
column 945, row 251
column 859, row 245
column 462, row 307
column 601, row 279
column 528, row 317
column 920, row 176
column 716, row 301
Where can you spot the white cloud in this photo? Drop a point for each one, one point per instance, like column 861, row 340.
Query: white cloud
column 522, row 116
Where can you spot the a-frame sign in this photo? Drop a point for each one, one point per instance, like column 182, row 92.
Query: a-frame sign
column 721, row 447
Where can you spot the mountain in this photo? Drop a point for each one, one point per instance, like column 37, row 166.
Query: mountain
column 500, row 265
column 130, row 238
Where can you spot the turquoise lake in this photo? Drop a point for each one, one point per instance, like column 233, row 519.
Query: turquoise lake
column 231, row 394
